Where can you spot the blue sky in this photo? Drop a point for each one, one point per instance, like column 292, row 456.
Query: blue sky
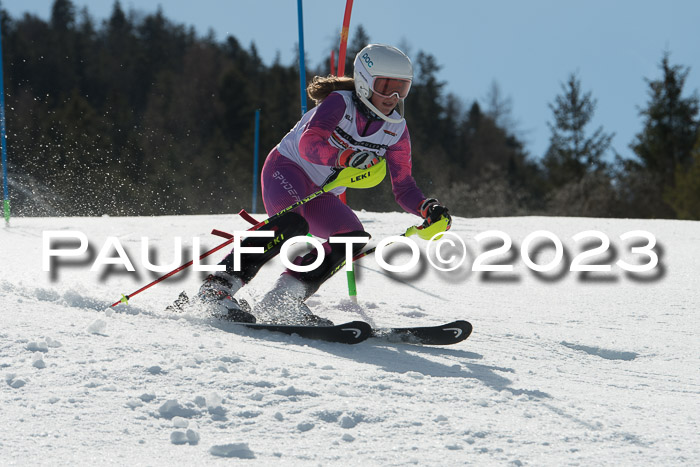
column 528, row 47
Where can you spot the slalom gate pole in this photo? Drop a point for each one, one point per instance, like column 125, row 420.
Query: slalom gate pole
column 302, row 65
column 342, row 52
column 348, row 177
column 352, row 284
column 344, row 38
column 3, row 136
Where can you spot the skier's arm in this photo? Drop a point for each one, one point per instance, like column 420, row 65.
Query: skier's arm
column 314, row 145
column 406, row 192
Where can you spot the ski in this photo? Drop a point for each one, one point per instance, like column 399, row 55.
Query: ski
column 357, row 331
column 445, row 334
column 346, row 333
column 354, row 332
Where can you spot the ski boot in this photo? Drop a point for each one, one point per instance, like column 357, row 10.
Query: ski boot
column 284, row 304
column 216, row 293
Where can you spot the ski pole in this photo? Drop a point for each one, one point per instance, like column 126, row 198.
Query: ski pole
column 424, row 231
column 125, row 298
column 349, row 177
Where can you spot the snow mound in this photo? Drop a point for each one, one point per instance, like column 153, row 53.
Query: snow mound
column 607, row 354
column 98, row 327
column 172, row 408
column 239, row 450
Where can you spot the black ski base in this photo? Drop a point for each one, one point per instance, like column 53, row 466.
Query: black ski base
column 347, row 333
column 445, row 334
column 358, row 331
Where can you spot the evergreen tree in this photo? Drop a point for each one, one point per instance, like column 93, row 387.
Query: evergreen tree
column 670, row 130
column 499, row 108
column 426, row 98
column 572, row 153
column 578, row 178
column 426, row 117
column 62, row 15
column 684, row 197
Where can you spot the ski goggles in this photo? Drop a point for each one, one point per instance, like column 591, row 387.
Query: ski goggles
column 387, row 87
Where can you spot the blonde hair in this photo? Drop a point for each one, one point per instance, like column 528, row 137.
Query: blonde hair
column 321, row 86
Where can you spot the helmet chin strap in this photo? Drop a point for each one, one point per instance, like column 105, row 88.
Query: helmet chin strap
column 380, row 114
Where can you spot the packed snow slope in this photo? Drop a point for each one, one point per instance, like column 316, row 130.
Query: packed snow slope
column 563, row 368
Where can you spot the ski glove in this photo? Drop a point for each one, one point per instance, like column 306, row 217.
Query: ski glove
column 359, row 159
column 432, row 211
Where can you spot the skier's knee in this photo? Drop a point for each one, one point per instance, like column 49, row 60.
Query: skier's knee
column 284, row 227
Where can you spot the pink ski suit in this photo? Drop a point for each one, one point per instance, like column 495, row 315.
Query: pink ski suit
column 305, row 157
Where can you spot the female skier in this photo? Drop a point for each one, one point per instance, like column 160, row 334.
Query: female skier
column 357, row 121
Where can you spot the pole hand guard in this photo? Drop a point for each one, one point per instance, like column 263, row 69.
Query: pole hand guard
column 351, row 177
column 427, row 231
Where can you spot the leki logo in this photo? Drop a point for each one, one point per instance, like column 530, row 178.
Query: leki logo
column 275, row 241
column 359, row 177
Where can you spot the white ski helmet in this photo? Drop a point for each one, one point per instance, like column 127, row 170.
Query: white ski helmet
column 385, row 70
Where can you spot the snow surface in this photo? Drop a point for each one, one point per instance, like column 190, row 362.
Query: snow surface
column 562, row 368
